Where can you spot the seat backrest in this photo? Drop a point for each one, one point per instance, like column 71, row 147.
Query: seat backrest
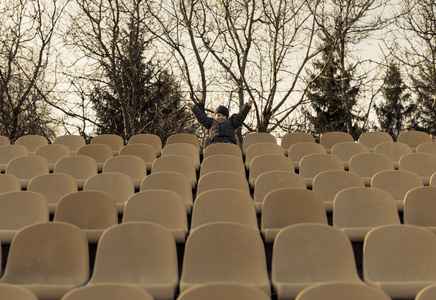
column 144, row 151
column 420, row 207
column 9, row 183
column 222, row 179
column 108, row 291
column 8, row 152
column 31, row 142
column 427, row 293
column 53, row 152
column 131, row 165
column 373, row 138
column 13, row 291
column 81, row 167
column 342, row 291
column 149, row 139
column 222, row 148
column 329, row 139
column 176, row 163
column 414, row 138
column 396, row 182
column 345, row 150
column 422, row 164
column 260, row 149
column 222, row 162
column 291, row 138
column 393, row 150
column 184, row 149
column 429, row 147
column 313, row 164
column 224, row 251
column 367, row 165
column 27, row 167
column 73, row 142
column 100, row 152
column 223, row 290
column 159, row 206
column 257, row 137
column 114, row 141
column 188, row 138
column 299, row 150
column 224, row 205
column 4, row 140
column 268, row 162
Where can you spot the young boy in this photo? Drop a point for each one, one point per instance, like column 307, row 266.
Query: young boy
column 221, row 127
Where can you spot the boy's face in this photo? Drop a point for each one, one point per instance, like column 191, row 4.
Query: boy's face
column 220, row 117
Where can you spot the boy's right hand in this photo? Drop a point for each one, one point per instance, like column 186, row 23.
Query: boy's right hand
column 190, row 105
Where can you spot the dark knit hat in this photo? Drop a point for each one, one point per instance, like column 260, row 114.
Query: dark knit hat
column 222, row 110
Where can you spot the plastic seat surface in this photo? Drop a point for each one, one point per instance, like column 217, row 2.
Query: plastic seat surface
column 420, row 207
column 149, row 139
column 31, row 142
column 256, row 137
column 53, row 152
column 222, row 148
column 366, row 165
column 222, row 179
column 291, row 138
column 261, row 149
column 373, row 138
column 131, row 165
column 100, row 152
column 27, row 167
column 73, row 142
column 329, row 139
column 222, row 162
column 342, row 291
column 13, row 291
column 184, row 138
column 298, row 150
column 114, row 141
column 9, row 183
column 313, row 164
column 8, row 152
column 144, row 151
column 184, row 149
column 422, row 164
column 268, row 162
column 414, row 138
column 81, row 167
column 108, row 291
column 223, row 290
column 393, row 150
column 346, row 150
column 176, row 163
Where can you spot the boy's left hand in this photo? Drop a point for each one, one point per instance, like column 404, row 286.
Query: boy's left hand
column 250, row 101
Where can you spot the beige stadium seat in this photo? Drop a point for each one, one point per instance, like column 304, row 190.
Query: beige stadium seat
column 422, row 164
column 291, row 138
column 357, row 210
column 114, row 141
column 144, row 151
column 170, row 181
column 8, row 152
column 420, row 207
column 256, row 137
column 53, row 186
column 19, row 209
column 4, row 140
column 373, row 138
column 13, row 291
column 299, row 150
column 149, row 139
column 49, row 258
column 184, row 138
column 268, row 162
column 414, row 138
column 224, row 252
column 81, row 167
column 108, row 291
column 118, row 185
column 366, row 165
column 159, row 206
column 92, row 211
column 223, row 290
column 222, row 148
column 342, row 291
column 397, row 183
column 100, row 152
column 306, row 254
column 261, row 149
column 289, row 206
column 176, row 163
column 429, row 147
column 32, row 142
column 222, row 180
column 327, row 184
column 27, row 167
column 53, row 152
column 346, row 150
column 131, row 165
column 224, row 205
column 393, row 150
column 427, row 293
column 400, row 260
column 9, row 183
column 73, row 142
column 313, row 164
column 184, row 149
column 222, row 162
column 269, row 181
column 329, row 139
column 142, row 254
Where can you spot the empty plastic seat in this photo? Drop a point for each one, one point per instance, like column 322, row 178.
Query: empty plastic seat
column 397, row 183
column 91, row 211
column 159, row 206
column 27, row 167
column 149, row 139
column 53, row 186
column 399, row 259
column 329, row 139
column 142, row 254
column 49, row 258
column 32, row 142
column 144, row 151
column 414, row 138
column 420, row 207
column 222, row 180
column 176, row 163
column 429, row 147
column 170, row 181
column 73, row 142
column 223, row 290
column 346, row 150
column 19, row 209
column 4, row 140
column 118, row 185
column 53, row 152
column 9, row 183
column 261, row 149
column 131, row 165
column 184, row 149
column 8, row 152
column 81, row 167
column 393, row 150
column 422, row 164
column 222, row 148
column 188, row 138
column 373, row 138
column 306, row 254
column 357, row 210
column 367, row 165
column 99, row 152
column 222, row 162
column 342, row 291
column 224, row 205
column 313, row 164
column 13, row 291
column 257, row 137
column 289, row 206
column 273, row 180
column 224, row 252
column 268, row 162
column 291, row 138
column 427, row 293
column 299, row 150
column 108, row 291
column 114, row 141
